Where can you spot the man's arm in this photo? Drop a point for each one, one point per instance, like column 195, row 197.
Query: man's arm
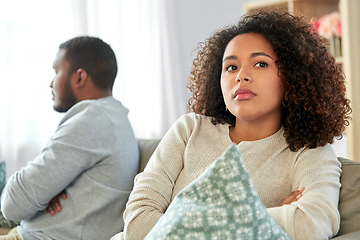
column 54, row 205
column 69, row 153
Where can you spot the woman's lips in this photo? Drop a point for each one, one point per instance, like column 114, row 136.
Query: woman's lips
column 243, row 94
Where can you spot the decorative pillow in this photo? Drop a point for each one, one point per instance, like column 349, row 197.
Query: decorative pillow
column 221, row 203
column 3, row 222
column 2, row 175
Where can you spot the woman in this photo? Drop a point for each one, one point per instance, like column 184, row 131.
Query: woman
column 270, row 86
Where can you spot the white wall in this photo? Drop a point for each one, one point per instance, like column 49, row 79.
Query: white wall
column 189, row 22
column 195, row 20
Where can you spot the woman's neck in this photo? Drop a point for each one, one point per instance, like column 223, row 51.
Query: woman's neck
column 252, row 132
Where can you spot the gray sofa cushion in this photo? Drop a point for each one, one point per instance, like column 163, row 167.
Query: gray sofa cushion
column 349, row 203
column 146, row 149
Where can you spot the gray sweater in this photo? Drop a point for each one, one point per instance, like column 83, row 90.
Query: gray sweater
column 93, row 155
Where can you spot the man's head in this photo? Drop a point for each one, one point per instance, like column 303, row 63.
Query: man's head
column 85, row 68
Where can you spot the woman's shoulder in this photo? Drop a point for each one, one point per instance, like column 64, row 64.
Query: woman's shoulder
column 194, row 130
column 199, row 120
column 322, row 151
column 195, row 117
column 319, row 156
column 199, row 124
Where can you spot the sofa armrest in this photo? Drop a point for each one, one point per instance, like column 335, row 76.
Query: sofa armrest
column 4, row 231
column 349, row 236
column 349, row 200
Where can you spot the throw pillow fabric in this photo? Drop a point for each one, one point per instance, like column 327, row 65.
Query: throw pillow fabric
column 221, row 203
column 4, row 223
column 2, row 175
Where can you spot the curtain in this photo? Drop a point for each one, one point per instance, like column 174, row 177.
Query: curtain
column 31, row 32
column 29, row 39
column 151, row 82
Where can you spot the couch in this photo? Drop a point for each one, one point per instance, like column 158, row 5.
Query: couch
column 349, row 203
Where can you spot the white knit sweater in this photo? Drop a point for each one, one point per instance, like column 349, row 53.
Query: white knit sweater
column 193, row 143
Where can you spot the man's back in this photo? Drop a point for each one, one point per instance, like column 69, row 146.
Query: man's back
column 93, row 155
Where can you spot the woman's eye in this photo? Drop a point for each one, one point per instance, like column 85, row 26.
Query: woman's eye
column 231, row 68
column 261, row 64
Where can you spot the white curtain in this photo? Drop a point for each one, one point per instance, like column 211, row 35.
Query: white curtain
column 149, row 83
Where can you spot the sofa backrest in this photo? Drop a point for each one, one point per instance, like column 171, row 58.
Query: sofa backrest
column 349, row 202
column 146, row 149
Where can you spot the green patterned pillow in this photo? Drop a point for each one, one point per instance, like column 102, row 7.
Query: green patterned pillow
column 2, row 175
column 221, row 203
column 3, row 222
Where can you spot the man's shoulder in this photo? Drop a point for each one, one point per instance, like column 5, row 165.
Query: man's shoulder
column 92, row 110
column 100, row 104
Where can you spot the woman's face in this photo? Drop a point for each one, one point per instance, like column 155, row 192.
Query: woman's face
column 250, row 83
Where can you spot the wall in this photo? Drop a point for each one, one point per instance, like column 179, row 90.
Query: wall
column 195, row 20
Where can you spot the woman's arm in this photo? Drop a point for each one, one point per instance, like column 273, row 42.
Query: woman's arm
column 153, row 188
column 293, row 197
column 315, row 215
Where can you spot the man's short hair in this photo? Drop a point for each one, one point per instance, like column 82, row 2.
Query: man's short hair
column 94, row 56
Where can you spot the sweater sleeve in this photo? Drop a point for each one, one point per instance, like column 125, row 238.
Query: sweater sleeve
column 153, row 188
column 70, row 152
column 315, row 215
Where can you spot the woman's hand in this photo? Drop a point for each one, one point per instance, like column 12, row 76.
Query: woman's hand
column 293, row 197
column 54, row 205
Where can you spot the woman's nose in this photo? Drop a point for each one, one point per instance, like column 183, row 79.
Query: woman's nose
column 243, row 75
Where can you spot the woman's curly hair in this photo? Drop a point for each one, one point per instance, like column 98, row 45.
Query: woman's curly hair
column 315, row 108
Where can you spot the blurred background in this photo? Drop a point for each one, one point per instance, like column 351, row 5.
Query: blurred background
column 155, row 42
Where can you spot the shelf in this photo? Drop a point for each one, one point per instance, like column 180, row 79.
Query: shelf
column 339, row 60
column 350, row 17
column 266, row 5
column 308, row 8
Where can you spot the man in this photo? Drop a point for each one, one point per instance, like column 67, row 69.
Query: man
column 91, row 160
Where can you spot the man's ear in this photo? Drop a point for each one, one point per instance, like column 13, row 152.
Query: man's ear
column 82, row 78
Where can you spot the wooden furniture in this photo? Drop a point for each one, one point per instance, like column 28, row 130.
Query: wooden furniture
column 350, row 59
